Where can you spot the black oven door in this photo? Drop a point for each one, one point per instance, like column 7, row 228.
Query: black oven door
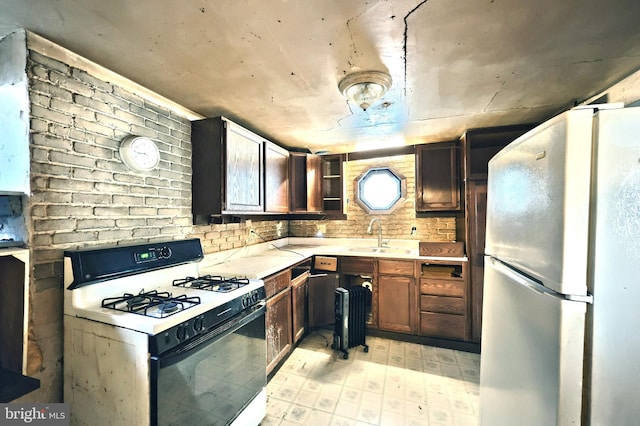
column 210, row 380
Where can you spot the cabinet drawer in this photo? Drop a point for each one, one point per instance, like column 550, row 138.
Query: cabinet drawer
column 356, row 265
column 442, row 287
column 395, row 267
column 443, row 325
column 442, row 304
column 276, row 283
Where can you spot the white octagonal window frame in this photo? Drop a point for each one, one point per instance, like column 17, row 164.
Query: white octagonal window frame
column 380, row 190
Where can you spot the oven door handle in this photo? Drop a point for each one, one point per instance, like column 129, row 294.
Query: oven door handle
column 176, row 355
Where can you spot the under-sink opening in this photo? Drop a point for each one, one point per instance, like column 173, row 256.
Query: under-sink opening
column 364, row 281
column 12, row 314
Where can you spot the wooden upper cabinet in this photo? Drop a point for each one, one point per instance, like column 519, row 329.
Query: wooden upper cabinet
column 227, row 168
column 480, row 145
column 438, row 177
column 305, row 183
column 276, row 178
column 244, row 170
column 333, row 185
column 314, row 183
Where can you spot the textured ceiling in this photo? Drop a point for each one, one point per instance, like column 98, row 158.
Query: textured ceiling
column 274, row 65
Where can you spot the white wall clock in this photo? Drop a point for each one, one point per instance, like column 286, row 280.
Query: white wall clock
column 139, row 153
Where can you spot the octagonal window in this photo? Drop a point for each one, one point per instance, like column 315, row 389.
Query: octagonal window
column 380, row 190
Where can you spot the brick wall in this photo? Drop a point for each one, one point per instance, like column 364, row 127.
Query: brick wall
column 83, row 195
column 397, row 225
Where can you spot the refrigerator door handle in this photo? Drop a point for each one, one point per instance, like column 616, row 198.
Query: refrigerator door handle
column 535, row 286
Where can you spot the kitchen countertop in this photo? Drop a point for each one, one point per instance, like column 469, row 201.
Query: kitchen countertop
column 262, row 260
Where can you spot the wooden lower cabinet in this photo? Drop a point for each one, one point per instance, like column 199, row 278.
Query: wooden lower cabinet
column 443, row 325
column 299, row 287
column 476, row 224
column 396, row 296
column 278, row 325
column 444, row 310
column 321, row 296
column 361, row 271
column 278, row 319
column 395, row 303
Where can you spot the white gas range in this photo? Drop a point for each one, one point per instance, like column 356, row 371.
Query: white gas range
column 158, row 343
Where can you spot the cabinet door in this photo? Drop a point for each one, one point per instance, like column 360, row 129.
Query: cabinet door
column 208, row 137
column 298, row 182
column 477, row 192
column 276, row 160
column 321, row 300
column 244, row 170
column 396, row 303
column 305, row 182
column 278, row 325
column 299, row 305
column 437, row 177
column 314, row 183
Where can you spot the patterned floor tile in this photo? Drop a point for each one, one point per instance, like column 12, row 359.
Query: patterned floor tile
column 394, row 383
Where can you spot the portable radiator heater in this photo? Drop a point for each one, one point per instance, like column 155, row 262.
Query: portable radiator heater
column 351, row 310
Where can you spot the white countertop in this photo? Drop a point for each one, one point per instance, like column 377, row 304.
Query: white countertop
column 262, row 260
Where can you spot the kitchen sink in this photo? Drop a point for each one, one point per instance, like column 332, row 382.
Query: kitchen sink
column 395, row 250
column 363, row 249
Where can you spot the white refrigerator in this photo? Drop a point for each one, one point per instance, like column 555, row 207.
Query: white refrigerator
column 561, row 309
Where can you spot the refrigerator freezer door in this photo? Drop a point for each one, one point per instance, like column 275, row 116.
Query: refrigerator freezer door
column 532, row 353
column 615, row 367
column 538, row 202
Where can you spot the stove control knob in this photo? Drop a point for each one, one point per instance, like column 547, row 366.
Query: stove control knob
column 198, row 324
column 255, row 296
column 164, row 252
column 246, row 301
column 181, row 333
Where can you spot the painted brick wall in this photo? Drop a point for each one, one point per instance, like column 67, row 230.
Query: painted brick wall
column 397, row 225
column 83, row 195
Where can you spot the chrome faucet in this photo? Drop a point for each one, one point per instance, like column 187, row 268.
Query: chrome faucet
column 370, row 230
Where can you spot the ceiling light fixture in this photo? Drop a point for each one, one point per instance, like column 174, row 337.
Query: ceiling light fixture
column 364, row 88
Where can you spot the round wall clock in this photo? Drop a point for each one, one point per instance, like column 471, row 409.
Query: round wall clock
column 139, row 153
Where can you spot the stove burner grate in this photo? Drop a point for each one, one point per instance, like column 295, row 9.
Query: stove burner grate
column 151, row 303
column 212, row 283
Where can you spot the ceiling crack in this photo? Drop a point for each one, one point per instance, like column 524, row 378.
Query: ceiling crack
column 493, row 97
column 354, row 50
column 404, row 43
